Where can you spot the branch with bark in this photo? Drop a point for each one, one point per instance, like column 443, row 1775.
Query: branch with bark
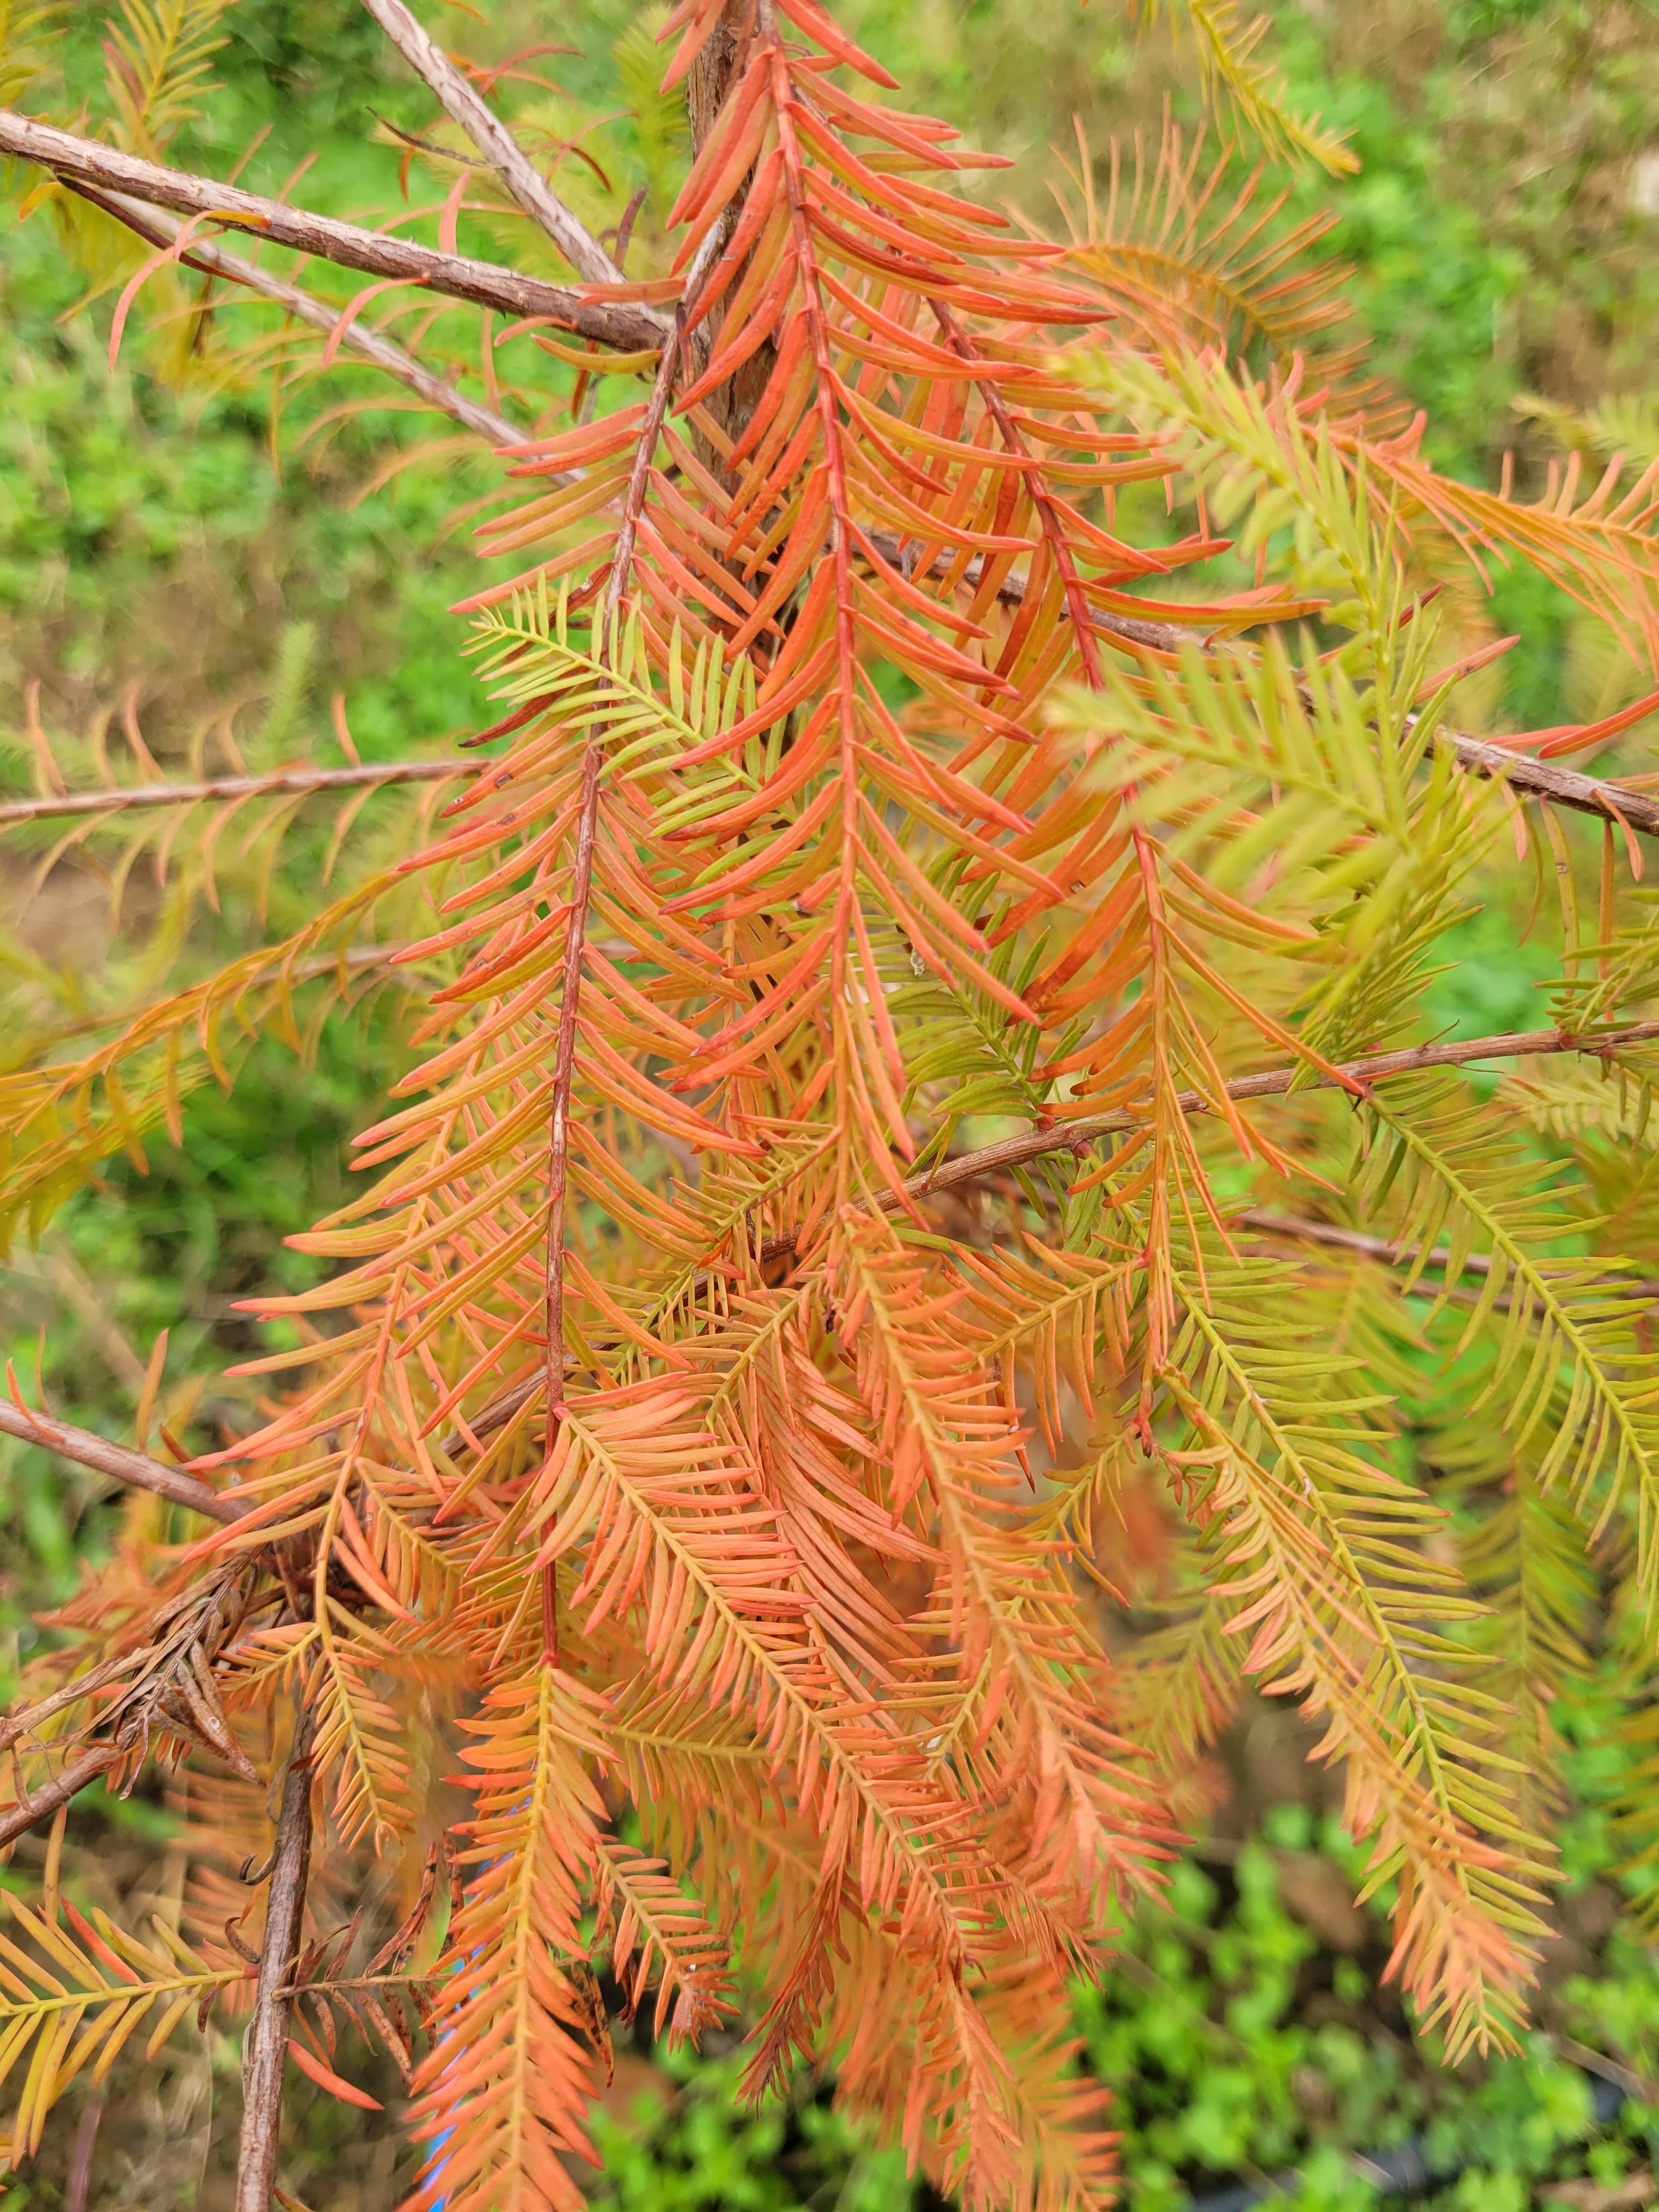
column 210, row 256
column 495, row 142
column 28, row 1811
column 1273, row 1083
column 83, row 162
column 116, row 798
column 264, row 2050
column 119, row 1462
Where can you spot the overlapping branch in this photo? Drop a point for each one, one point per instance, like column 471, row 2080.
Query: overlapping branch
column 628, row 328
column 495, row 142
column 119, row 1462
column 116, row 798
column 212, row 258
column 1273, row 1083
column 1011, row 1152
column 1536, row 779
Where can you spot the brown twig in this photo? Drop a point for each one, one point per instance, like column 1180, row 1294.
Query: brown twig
column 119, row 1460
column 213, row 258
column 1336, row 1238
column 498, row 144
column 1067, row 1136
column 17, row 1820
column 626, row 328
column 120, row 799
column 1562, row 786
column 264, row 2050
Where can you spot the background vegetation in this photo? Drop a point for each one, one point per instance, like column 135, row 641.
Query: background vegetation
column 168, row 556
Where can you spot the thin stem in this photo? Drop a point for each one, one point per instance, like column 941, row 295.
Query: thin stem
column 1069, row 1136
column 495, row 142
column 158, row 227
column 77, row 161
column 118, row 799
column 265, row 2048
column 28, row 1811
column 581, row 889
column 1561, row 787
column 119, row 1460
column 1336, row 1238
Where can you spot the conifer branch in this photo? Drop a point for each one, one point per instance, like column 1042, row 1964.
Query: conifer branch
column 266, row 2050
column 119, row 1460
column 735, row 915
column 493, row 139
column 75, row 160
column 115, row 799
column 1074, row 1136
column 1537, row 779
column 213, row 258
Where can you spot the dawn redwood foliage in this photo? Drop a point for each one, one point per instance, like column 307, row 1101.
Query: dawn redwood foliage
column 922, row 1066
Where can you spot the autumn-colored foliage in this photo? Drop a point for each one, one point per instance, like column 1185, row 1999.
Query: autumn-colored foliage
column 923, row 1063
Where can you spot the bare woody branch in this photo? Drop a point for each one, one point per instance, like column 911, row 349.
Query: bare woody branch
column 1335, row 1237
column 495, row 142
column 81, row 161
column 28, row 1811
column 264, row 2050
column 1562, row 786
column 159, row 227
column 117, row 798
column 119, row 1462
